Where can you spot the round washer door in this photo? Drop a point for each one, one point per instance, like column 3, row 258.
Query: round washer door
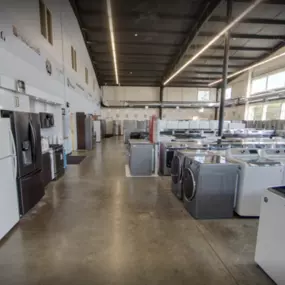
column 175, row 169
column 189, row 184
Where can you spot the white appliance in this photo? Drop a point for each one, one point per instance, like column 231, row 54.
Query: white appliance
column 270, row 250
column 277, row 155
column 256, row 175
column 97, row 130
column 9, row 205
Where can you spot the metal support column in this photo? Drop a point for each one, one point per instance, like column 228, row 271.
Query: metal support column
column 225, row 71
column 216, row 108
column 160, row 101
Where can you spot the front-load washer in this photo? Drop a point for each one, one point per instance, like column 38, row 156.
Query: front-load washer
column 177, row 169
column 257, row 174
column 209, row 185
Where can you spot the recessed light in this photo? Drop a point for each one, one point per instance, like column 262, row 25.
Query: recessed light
column 146, row 107
column 177, row 107
column 136, row 34
column 130, row 72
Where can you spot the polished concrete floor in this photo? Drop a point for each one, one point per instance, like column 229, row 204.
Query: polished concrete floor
column 95, row 226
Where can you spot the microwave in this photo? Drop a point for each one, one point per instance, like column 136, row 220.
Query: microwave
column 47, row 120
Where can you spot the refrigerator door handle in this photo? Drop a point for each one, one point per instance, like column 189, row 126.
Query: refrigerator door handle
column 14, row 154
column 34, row 140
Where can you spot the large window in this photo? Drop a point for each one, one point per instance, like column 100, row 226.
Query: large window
column 268, row 82
column 73, row 58
column 228, row 94
column 258, row 85
column 46, row 22
column 203, row 95
column 86, row 76
column 273, row 111
column 276, row 80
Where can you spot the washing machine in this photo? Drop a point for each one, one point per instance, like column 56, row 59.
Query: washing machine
column 167, row 152
column 177, row 168
column 257, row 174
column 209, row 185
column 277, row 154
column 270, row 250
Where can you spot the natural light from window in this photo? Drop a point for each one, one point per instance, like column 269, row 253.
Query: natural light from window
column 228, row 93
column 203, row 95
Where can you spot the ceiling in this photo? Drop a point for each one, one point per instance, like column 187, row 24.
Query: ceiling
column 155, row 37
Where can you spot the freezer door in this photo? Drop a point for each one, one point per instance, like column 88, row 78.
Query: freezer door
column 35, row 121
column 6, row 148
column 31, row 190
column 9, row 207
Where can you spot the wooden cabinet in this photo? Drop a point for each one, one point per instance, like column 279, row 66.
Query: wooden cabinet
column 46, row 171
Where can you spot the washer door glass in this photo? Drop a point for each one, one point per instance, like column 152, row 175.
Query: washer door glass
column 175, row 169
column 189, row 184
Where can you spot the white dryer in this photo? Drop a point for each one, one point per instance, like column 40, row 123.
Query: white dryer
column 270, row 250
column 257, row 174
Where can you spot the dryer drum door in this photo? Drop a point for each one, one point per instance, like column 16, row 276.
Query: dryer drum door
column 175, row 170
column 189, row 184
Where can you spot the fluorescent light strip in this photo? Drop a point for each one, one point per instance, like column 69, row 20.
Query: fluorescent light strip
column 110, row 19
column 248, row 68
column 218, row 36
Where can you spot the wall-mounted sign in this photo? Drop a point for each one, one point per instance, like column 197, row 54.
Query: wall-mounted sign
column 48, row 67
column 2, row 36
column 17, row 34
column 69, row 84
column 79, row 86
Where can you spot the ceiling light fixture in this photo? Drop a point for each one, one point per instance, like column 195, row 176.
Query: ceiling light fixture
column 218, row 36
column 111, row 28
column 136, row 34
column 248, row 68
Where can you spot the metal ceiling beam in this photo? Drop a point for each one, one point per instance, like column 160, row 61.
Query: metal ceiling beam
column 246, row 36
column 205, row 12
column 106, row 43
column 216, row 57
column 103, row 30
column 235, row 48
column 263, row 21
column 131, row 54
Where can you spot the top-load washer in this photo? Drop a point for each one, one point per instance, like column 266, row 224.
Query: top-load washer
column 256, row 175
column 177, row 166
column 209, row 184
column 277, row 154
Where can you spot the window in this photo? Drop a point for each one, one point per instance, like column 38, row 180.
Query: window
column 276, row 80
column 86, row 76
column 46, row 22
column 258, row 85
column 203, row 95
column 94, row 84
column 228, row 93
column 273, row 111
column 73, row 59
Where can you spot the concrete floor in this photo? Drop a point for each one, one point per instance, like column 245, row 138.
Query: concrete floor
column 95, row 226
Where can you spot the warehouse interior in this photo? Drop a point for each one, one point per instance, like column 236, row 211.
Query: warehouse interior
column 142, row 142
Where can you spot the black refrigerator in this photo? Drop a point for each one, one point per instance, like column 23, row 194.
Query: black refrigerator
column 27, row 135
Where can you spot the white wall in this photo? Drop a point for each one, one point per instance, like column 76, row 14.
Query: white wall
column 19, row 61
column 24, row 53
column 113, row 95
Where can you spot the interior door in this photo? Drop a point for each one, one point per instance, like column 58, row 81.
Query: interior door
column 9, row 207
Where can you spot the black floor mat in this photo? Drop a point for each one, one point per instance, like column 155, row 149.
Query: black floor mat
column 75, row 159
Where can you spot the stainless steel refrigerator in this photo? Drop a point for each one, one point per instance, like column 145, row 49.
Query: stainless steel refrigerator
column 26, row 131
